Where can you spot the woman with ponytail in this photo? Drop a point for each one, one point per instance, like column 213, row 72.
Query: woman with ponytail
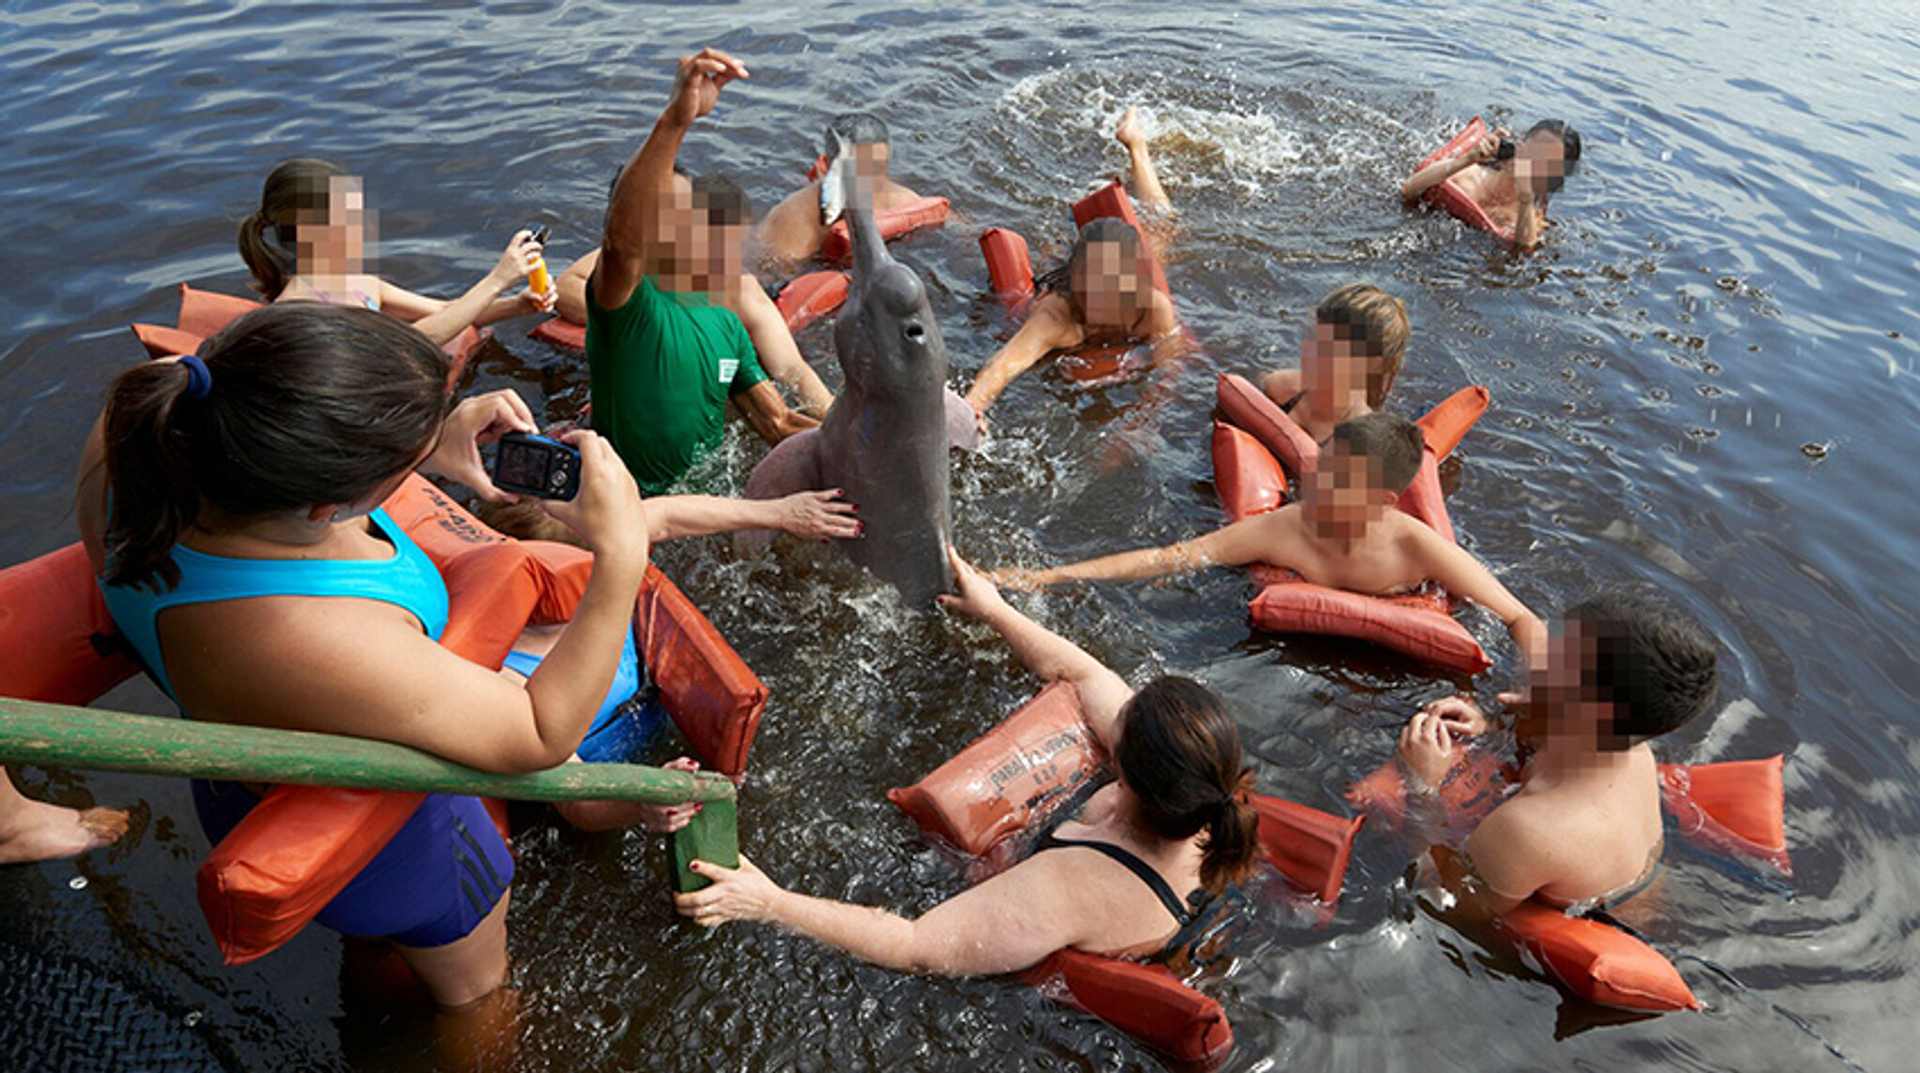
column 231, row 504
column 1123, row 879
column 307, row 242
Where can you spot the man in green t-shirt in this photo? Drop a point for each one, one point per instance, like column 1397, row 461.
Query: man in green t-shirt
column 663, row 355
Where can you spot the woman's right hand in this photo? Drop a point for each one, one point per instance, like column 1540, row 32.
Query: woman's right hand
column 516, row 260
column 607, row 513
column 974, row 594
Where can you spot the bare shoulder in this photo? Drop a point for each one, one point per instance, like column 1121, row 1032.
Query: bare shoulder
column 896, row 195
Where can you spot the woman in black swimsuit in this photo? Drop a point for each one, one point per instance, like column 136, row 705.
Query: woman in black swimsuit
column 1176, row 819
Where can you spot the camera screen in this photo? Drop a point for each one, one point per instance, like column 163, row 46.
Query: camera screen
column 521, row 464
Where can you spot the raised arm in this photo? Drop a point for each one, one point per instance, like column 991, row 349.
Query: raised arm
column 1049, row 327
column 1157, row 224
column 1440, row 171
column 646, row 192
column 1050, row 657
column 1455, row 570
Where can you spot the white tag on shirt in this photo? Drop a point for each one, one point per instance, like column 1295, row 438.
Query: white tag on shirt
column 728, row 366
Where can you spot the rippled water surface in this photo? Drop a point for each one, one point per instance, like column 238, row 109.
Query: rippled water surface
column 1706, row 383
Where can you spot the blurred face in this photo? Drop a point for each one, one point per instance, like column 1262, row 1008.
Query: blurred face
column 706, row 256
column 1541, row 157
column 1557, row 688
column 1343, row 496
column 1333, row 364
column 870, row 162
column 334, row 242
column 1108, row 285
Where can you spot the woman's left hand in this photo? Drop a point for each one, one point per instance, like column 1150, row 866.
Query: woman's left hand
column 820, row 516
column 744, row 893
column 477, row 420
column 540, row 301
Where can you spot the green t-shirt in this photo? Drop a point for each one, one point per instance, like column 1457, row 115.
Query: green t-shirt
column 660, row 371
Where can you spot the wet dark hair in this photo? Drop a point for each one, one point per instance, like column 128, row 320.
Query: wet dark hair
column 1392, row 443
column 1059, row 279
column 1652, row 662
column 858, row 128
column 1570, row 139
column 1179, row 751
column 725, row 204
column 267, row 237
column 309, row 404
column 1378, row 321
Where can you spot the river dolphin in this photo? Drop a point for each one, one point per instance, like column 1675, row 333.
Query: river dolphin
column 885, row 440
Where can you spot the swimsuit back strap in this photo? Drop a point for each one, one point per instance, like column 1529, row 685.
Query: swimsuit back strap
column 1138, row 867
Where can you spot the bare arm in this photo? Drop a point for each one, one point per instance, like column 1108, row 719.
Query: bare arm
column 1050, row 657
column 1263, row 538
column 769, row 416
column 570, row 287
column 1007, row 923
column 1049, row 328
column 1529, row 217
column 1439, row 172
column 1455, row 570
column 818, row 515
column 452, row 318
column 646, row 186
column 779, row 355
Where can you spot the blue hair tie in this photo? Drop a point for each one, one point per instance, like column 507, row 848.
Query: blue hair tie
column 199, row 377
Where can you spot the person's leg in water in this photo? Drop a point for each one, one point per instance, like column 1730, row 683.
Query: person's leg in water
column 36, row 831
column 1143, row 181
column 474, row 1009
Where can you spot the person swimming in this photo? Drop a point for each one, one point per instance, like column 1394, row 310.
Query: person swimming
column 1344, row 532
column 1513, row 179
column 1349, row 360
column 794, row 229
column 1584, row 830
column 308, row 242
column 1110, row 882
column 1105, row 291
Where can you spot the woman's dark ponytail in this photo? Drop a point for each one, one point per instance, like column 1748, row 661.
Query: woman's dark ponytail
column 267, row 243
column 1179, row 751
column 154, row 497
column 302, row 404
column 1233, row 838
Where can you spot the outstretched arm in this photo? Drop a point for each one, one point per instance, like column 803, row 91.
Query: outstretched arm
column 1049, row 327
column 773, row 343
column 813, row 515
column 769, row 416
column 646, row 191
column 1048, row 655
column 1005, row 924
column 1258, row 539
column 1455, row 570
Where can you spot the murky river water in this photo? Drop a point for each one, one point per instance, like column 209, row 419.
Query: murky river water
column 1706, row 383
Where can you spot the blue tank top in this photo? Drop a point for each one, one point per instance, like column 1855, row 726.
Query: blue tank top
column 407, row 580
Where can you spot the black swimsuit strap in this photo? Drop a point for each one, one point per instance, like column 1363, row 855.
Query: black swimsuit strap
column 1287, row 406
column 1135, row 865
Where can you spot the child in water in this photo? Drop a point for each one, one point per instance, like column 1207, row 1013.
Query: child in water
column 307, row 242
column 1343, row 533
column 1103, row 294
column 1349, row 362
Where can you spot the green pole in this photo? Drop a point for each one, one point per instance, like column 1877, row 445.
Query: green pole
column 95, row 739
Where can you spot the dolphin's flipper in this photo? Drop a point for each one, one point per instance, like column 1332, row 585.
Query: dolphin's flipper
column 963, row 423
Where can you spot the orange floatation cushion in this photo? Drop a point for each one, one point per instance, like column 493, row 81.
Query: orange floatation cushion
column 1042, row 756
column 62, row 647
column 1734, row 806
column 802, row 302
column 836, row 246
column 1251, row 459
column 204, row 313
column 301, row 845
column 1450, row 198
